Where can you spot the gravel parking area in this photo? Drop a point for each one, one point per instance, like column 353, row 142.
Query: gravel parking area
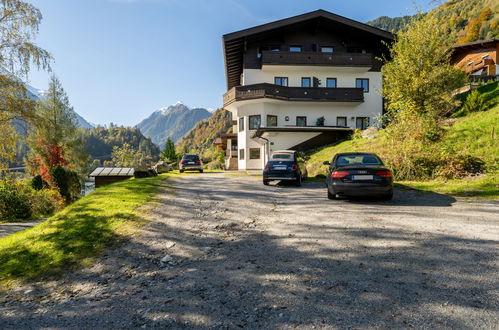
column 224, row 251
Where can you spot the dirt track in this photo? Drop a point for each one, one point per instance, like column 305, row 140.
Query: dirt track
column 239, row 254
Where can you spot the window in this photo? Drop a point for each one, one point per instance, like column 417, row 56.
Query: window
column 362, row 83
column 254, row 122
column 362, row 122
column 341, row 121
column 331, row 82
column 306, row 82
column 241, row 154
column 241, row 124
column 271, row 121
column 254, row 153
column 358, row 160
column 281, row 81
column 295, row 48
column 327, row 49
column 301, row 121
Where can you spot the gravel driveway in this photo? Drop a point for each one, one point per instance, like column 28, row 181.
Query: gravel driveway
column 225, row 251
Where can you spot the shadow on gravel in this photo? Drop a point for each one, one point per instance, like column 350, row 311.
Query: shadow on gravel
column 242, row 277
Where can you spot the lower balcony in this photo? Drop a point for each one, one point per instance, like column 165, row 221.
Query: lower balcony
column 310, row 94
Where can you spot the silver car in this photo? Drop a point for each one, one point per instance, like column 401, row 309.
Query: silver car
column 191, row 162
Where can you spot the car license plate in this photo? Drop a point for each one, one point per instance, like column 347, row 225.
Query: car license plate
column 280, row 168
column 190, row 163
column 362, row 177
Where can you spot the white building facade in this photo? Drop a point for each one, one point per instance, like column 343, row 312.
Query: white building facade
column 301, row 82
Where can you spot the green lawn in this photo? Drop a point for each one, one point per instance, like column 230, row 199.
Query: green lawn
column 78, row 232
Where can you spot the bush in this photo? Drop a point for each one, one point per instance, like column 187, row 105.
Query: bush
column 67, row 182
column 459, row 166
column 13, row 201
column 38, row 183
column 45, row 202
column 473, row 103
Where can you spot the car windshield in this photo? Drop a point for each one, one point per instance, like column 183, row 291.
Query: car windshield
column 358, row 160
column 282, row 156
column 191, row 157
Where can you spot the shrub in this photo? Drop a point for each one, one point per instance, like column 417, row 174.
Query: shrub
column 38, row 183
column 67, row 182
column 45, row 202
column 14, row 201
column 320, row 121
column 473, row 103
column 459, row 166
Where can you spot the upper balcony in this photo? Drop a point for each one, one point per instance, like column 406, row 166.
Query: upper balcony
column 311, row 94
column 318, row 59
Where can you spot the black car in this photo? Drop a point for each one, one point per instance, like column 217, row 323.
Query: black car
column 190, row 162
column 358, row 174
column 286, row 165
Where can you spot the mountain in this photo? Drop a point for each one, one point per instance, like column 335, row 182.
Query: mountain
column 37, row 94
column 470, row 20
column 201, row 137
column 173, row 121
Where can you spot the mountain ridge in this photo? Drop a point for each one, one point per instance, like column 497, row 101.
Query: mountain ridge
column 173, row 121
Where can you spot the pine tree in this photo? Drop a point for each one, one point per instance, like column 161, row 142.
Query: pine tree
column 169, row 154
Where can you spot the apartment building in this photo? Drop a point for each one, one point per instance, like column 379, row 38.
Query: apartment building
column 301, row 82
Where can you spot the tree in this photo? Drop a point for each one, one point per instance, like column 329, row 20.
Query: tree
column 420, row 78
column 125, row 156
column 19, row 22
column 169, row 154
column 54, row 138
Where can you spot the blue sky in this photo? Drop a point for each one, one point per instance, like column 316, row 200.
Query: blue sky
column 119, row 60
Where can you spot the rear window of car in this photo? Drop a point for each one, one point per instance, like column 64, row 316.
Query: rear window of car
column 282, row 157
column 358, row 160
column 190, row 157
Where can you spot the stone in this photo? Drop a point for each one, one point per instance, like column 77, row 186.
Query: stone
column 166, row 259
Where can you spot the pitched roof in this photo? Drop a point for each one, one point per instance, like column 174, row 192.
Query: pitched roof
column 113, row 171
column 234, row 43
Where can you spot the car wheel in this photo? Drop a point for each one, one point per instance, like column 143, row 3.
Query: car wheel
column 266, row 182
column 388, row 196
column 298, row 181
column 200, row 171
column 330, row 196
column 181, row 171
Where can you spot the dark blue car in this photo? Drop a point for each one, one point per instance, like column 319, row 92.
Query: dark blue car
column 285, row 165
column 358, row 174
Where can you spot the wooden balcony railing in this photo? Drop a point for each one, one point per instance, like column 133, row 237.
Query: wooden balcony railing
column 314, row 58
column 314, row 94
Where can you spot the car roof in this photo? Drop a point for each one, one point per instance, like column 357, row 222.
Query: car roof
column 356, row 153
column 284, row 151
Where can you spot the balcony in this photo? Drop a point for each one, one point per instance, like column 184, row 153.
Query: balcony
column 481, row 64
column 310, row 94
column 317, row 59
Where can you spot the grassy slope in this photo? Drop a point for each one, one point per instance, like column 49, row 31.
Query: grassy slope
column 78, row 232
column 472, row 133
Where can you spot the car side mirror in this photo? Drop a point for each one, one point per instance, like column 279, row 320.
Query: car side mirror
column 327, row 163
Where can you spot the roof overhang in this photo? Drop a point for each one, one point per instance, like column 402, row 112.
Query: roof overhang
column 234, row 43
column 300, row 129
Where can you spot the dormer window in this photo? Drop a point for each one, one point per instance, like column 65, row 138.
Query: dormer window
column 469, row 64
column 295, row 49
column 485, row 57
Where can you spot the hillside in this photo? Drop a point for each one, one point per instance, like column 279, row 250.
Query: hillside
column 470, row 19
column 201, row 137
column 99, row 142
column 474, row 135
column 173, row 121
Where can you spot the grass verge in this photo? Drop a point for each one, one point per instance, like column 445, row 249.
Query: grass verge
column 77, row 233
